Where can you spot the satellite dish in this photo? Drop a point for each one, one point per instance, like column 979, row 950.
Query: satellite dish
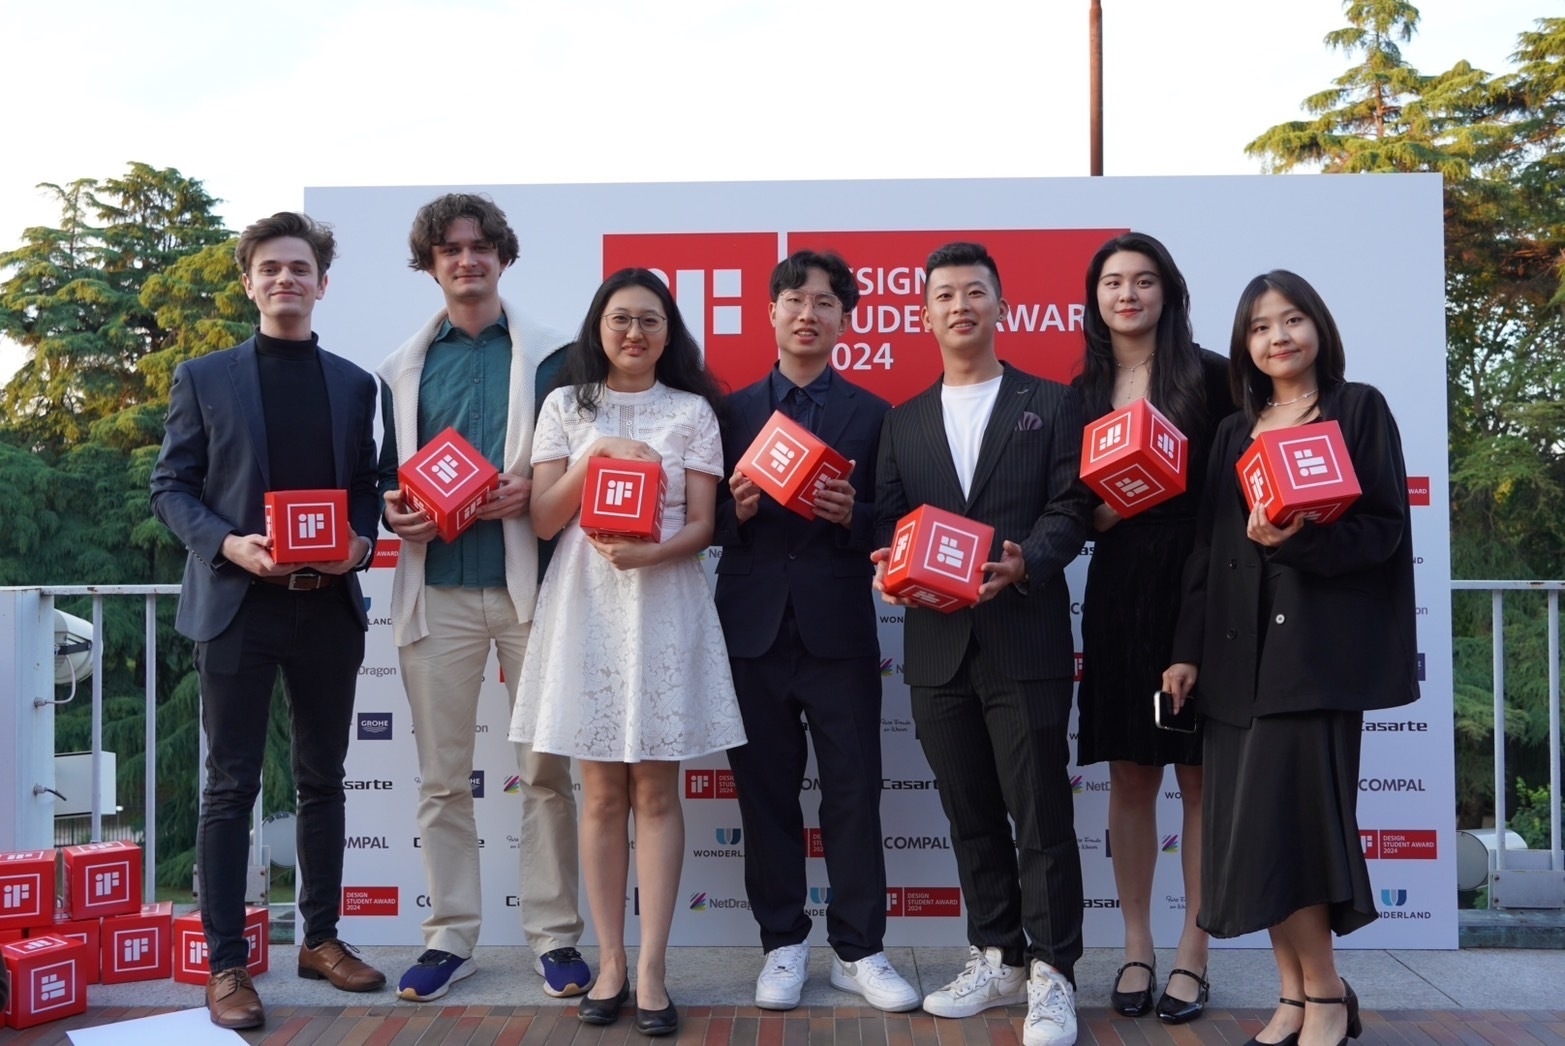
column 277, row 834
column 72, row 649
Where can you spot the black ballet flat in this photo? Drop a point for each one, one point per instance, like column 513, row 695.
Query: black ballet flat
column 1351, row 1001
column 658, row 1022
column 1291, row 1039
column 1173, row 1010
column 603, row 1011
column 1133, row 1004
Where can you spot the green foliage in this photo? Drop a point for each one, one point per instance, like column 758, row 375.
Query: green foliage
column 1532, row 819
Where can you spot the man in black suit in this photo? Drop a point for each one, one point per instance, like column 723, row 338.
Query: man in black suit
column 798, row 614
column 274, row 413
column 991, row 685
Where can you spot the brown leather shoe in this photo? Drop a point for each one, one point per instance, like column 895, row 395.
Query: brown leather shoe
column 231, row 1000
column 338, row 962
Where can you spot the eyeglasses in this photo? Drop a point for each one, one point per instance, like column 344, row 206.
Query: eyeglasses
column 650, row 323
column 796, row 302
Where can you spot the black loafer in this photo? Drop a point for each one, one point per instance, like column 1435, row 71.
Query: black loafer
column 603, row 1011
column 658, row 1022
column 1174, row 1010
column 1133, row 1004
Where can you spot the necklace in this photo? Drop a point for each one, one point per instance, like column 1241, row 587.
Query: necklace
column 1138, row 366
column 1288, row 403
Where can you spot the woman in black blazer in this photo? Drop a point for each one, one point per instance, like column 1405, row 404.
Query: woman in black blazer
column 1294, row 633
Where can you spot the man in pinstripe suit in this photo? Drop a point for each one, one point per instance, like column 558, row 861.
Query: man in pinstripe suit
column 991, row 685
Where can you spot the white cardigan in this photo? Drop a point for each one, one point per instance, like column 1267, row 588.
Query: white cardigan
column 402, row 371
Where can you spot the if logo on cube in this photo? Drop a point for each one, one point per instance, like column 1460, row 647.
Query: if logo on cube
column 1134, row 458
column 27, row 888
column 1302, row 471
column 47, row 980
column 103, row 879
column 935, row 559
column 448, row 481
column 307, row 526
column 624, row 497
column 191, row 964
column 790, row 464
column 138, row 947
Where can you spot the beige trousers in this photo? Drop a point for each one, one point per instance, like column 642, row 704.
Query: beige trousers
column 442, row 673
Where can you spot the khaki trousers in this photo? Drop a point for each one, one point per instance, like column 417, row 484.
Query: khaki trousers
column 442, row 673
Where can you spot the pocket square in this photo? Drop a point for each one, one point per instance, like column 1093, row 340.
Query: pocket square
column 1028, row 422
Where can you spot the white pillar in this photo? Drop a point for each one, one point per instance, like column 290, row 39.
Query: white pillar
column 26, row 719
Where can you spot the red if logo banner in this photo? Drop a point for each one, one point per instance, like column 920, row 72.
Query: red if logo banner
column 720, row 281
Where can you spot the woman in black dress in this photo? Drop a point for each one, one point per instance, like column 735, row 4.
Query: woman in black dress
column 1294, row 633
column 1139, row 345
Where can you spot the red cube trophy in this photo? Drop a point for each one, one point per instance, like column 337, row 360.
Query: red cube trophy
column 27, row 888
column 307, row 526
column 190, row 949
column 138, row 947
column 86, row 932
column 103, row 878
column 1300, row 471
column 47, row 980
column 624, row 497
column 790, row 464
column 1134, row 458
column 448, row 480
column 935, row 557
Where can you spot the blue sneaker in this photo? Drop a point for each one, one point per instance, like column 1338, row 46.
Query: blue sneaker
column 564, row 972
column 432, row 976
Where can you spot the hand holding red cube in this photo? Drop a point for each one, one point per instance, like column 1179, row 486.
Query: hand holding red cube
column 625, row 497
column 790, row 464
column 448, row 481
column 1303, row 471
column 1134, row 458
column 935, row 559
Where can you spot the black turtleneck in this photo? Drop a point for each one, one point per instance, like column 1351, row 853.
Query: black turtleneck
column 298, row 414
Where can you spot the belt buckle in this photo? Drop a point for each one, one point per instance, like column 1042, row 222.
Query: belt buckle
column 299, row 581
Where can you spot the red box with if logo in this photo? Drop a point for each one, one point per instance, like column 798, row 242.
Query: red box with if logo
column 307, row 526
column 27, row 888
column 1134, row 458
column 790, row 464
column 190, row 950
column 935, row 556
column 620, row 496
column 102, row 879
column 448, row 480
column 47, row 980
column 86, row 932
column 138, row 947
column 1299, row 471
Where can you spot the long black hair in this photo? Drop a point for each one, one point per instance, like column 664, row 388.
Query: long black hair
column 680, row 367
column 1251, row 388
column 1175, row 384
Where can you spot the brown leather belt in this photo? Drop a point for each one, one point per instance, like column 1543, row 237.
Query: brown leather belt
column 301, row 581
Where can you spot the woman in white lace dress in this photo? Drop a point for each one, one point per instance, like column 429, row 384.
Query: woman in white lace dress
column 626, row 668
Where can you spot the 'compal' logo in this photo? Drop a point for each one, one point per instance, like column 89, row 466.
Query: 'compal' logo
column 729, row 836
column 513, row 785
column 697, row 901
column 1393, row 898
column 820, row 895
column 1170, row 844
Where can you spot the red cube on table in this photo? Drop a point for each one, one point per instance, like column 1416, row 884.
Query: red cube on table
column 190, row 948
column 47, row 980
column 307, row 526
column 448, row 481
column 624, row 497
column 103, row 879
column 1299, row 471
column 138, row 947
column 790, row 464
column 1134, row 458
column 935, row 556
column 27, row 889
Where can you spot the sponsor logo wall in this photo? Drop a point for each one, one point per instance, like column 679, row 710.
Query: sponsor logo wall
column 715, row 244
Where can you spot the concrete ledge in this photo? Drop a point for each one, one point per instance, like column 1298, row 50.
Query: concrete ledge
column 1511, row 928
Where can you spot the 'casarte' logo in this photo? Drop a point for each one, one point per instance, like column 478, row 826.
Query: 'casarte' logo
column 729, row 836
column 698, row 901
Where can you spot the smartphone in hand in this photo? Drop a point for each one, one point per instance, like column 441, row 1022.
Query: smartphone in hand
column 1184, row 722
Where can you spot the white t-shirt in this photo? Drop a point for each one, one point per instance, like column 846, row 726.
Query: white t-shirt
column 966, row 409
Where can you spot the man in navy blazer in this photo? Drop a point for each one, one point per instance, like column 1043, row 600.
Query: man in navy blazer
column 274, row 413
column 991, row 684
column 798, row 613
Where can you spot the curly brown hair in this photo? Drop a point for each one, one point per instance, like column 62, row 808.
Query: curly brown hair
column 287, row 223
column 436, row 216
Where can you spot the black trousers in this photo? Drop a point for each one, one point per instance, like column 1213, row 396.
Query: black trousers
column 314, row 639
column 999, row 751
column 840, row 698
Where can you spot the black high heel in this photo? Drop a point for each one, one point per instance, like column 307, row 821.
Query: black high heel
column 1133, row 1004
column 1173, row 1010
column 1351, row 1001
column 1291, row 1039
column 603, row 1011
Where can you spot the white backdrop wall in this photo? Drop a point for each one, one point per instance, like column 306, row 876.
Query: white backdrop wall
column 1372, row 245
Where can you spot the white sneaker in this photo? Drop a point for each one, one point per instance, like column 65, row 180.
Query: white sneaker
column 782, row 977
column 877, row 980
column 985, row 982
column 1051, row 1008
